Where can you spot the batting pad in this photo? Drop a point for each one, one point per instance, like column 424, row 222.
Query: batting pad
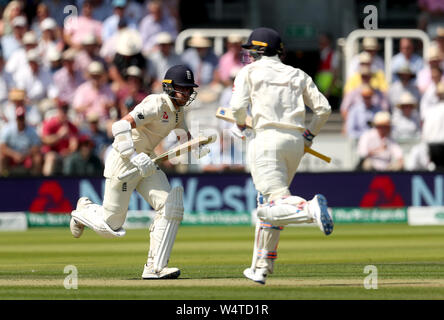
column 92, row 217
column 287, row 210
column 165, row 229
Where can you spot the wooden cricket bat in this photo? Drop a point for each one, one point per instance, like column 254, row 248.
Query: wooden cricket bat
column 227, row 115
column 175, row 152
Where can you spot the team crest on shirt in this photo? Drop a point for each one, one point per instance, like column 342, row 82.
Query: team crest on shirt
column 165, row 117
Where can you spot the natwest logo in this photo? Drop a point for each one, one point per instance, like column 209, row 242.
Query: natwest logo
column 382, row 193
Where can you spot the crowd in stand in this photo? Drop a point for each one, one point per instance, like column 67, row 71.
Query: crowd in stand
column 66, row 77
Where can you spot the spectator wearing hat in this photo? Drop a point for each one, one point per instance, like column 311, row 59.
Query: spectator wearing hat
column 132, row 93
column 406, row 123
column 37, row 83
column 201, row 59
column 430, row 97
column 50, row 39
column 408, row 56
column 53, row 60
column 377, row 78
column 128, row 53
column 60, row 138
column 111, row 24
column 361, row 115
column 17, row 60
column 42, row 13
column 88, row 52
column 68, row 78
column 95, row 95
column 19, row 147
column 406, row 82
column 376, row 150
column 354, row 97
column 97, row 134
column 230, row 60
column 435, row 60
column 17, row 98
column 13, row 42
column 432, row 130
column 158, row 20
column 77, row 27
column 371, row 46
column 83, row 162
column 160, row 60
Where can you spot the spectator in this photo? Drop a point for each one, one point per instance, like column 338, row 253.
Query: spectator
column 406, row 56
column 111, row 24
column 49, row 39
column 430, row 97
column 54, row 60
column 5, row 82
column 435, row 60
column 377, row 79
column 159, row 61
column 88, row 53
column 38, row 83
column 371, row 46
column 201, row 59
column 360, row 117
column 76, row 28
column 13, row 9
column 128, row 53
column 68, row 79
column 97, row 134
column 404, row 83
column 12, row 42
column 432, row 14
column 83, row 162
column 17, row 98
column 155, row 22
column 95, row 95
column 132, row 93
column 60, row 139
column 406, row 124
column 17, row 60
column 354, row 97
column 19, row 147
column 432, row 130
column 377, row 151
column 60, row 10
column 101, row 9
column 230, row 60
column 42, row 13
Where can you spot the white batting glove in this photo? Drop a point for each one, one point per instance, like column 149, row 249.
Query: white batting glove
column 308, row 138
column 144, row 164
column 241, row 133
column 201, row 152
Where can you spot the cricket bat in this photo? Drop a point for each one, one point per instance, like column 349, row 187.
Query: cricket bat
column 227, row 115
column 175, row 152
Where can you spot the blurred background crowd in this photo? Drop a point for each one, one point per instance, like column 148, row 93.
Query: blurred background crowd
column 69, row 69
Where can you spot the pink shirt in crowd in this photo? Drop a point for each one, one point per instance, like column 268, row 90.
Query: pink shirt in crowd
column 78, row 28
column 94, row 100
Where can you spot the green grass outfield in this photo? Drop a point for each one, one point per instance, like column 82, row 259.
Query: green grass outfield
column 409, row 260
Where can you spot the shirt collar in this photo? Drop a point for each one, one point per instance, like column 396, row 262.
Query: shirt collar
column 167, row 99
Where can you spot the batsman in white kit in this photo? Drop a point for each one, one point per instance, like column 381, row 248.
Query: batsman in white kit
column 277, row 95
column 135, row 137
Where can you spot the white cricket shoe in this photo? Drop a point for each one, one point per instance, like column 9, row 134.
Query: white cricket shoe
column 319, row 209
column 257, row 275
column 165, row 273
column 75, row 226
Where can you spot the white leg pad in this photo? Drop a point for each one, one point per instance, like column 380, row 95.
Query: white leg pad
column 92, row 217
column 164, row 230
column 287, row 210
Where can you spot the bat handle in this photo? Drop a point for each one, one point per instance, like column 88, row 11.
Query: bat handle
column 317, row 154
column 127, row 173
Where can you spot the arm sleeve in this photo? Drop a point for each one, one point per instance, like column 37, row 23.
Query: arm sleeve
column 316, row 101
column 241, row 96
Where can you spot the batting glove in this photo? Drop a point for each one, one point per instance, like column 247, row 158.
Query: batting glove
column 308, row 138
column 201, row 152
column 144, row 164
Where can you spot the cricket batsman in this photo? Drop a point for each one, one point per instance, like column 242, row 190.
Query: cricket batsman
column 277, row 95
column 135, row 137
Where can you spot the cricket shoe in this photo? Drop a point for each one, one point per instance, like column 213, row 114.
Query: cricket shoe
column 319, row 209
column 257, row 275
column 75, row 226
column 165, row 273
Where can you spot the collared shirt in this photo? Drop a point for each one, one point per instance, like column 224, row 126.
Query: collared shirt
column 95, row 101
column 278, row 94
column 67, row 83
column 21, row 141
column 149, row 28
column 354, row 97
column 359, row 120
column 404, row 128
column 155, row 117
column 37, row 86
column 377, row 65
column 396, row 90
column 399, row 60
column 385, row 150
column 9, row 45
column 82, row 26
